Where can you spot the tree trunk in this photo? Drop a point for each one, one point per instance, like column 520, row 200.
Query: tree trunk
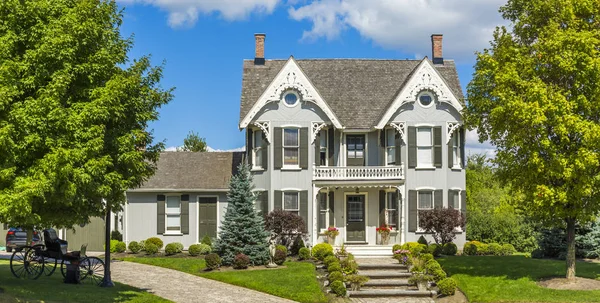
column 107, row 282
column 570, row 248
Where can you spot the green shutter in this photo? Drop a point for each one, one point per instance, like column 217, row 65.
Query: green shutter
column 317, row 144
column 262, row 203
column 277, row 148
column 412, row 147
column 330, row 145
column 304, row 148
column 438, row 198
column 450, row 197
column 437, row 146
column 450, row 151
column 412, row 210
column 381, row 207
column 398, row 150
column 331, row 207
column 265, row 151
column 463, row 202
column 250, row 146
column 304, row 207
column 160, row 214
column 278, row 200
column 462, row 147
column 185, row 214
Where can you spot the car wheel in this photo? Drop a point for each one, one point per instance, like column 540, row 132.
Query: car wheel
column 9, row 249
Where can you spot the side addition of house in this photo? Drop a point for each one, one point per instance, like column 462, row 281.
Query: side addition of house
column 355, row 143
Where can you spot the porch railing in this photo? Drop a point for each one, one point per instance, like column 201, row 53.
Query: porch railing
column 358, row 172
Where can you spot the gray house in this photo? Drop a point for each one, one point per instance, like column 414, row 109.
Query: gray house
column 355, row 143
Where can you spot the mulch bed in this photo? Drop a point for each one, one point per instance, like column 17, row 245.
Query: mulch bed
column 575, row 284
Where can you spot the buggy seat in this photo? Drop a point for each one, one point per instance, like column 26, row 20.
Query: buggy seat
column 54, row 245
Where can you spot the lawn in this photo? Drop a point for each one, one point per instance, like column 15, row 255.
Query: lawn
column 513, row 279
column 52, row 289
column 297, row 282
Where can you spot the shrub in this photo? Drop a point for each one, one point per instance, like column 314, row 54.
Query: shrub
column 285, row 226
column 297, row 246
column 322, row 250
column 282, row 248
column 357, row 281
column 194, row 250
column 171, row 249
column 494, row 249
column 447, row 286
column 142, row 245
column 205, row 249
column 213, row 261
column 116, row 235
column 120, row 247
column 241, row 261
column 304, row 254
column 134, row 247
column 438, row 274
column 329, row 259
column 508, row 249
column 422, row 240
column 156, row 241
column 449, row 249
column 396, row 247
column 151, row 249
column 206, row 241
column 279, row 257
column 483, row 249
column 537, row 253
column 338, row 288
column 441, row 223
column 418, row 265
column 335, row 276
column 349, row 266
column 470, row 249
column 335, row 266
column 415, row 248
column 426, row 257
column 179, row 247
column 113, row 246
column 435, row 249
column 432, row 265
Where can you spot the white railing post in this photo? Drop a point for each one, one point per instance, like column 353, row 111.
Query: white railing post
column 358, row 172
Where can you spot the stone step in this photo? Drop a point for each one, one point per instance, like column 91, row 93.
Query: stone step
column 370, row 251
column 390, row 266
column 384, row 274
column 387, row 283
column 371, row 293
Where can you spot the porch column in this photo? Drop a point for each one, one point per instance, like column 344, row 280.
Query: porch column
column 315, row 229
column 401, row 200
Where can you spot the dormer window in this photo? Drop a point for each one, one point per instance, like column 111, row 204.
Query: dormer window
column 291, row 98
column 426, row 99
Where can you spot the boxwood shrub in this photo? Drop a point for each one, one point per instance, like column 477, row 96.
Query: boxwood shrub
column 322, row 250
column 213, row 261
column 171, row 249
column 338, row 288
column 194, row 250
column 329, row 259
column 279, row 257
column 508, row 250
column 151, row 249
column 120, row 247
column 156, row 241
column 134, row 247
column 334, row 266
column 435, row 249
column 447, row 286
column 335, row 276
column 304, row 254
column 449, row 249
column 470, row 249
column 282, row 248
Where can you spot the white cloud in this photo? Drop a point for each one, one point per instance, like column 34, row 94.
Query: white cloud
column 186, row 12
column 406, row 25
column 239, row 149
column 473, row 146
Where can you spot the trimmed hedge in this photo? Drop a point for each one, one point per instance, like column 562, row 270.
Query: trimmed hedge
column 470, row 249
column 241, row 261
column 449, row 249
column 415, row 248
column 282, row 248
column 447, row 286
column 121, row 247
column 322, row 250
column 134, row 247
column 508, row 249
column 335, row 266
column 329, row 259
column 213, row 261
column 151, row 249
column 338, row 288
column 156, row 241
column 304, row 254
column 426, row 257
column 335, row 276
column 279, row 257
column 171, row 249
column 396, row 247
column 473, row 248
column 194, row 250
column 435, row 249
column 495, row 249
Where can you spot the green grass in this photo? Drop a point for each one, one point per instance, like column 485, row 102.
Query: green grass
column 52, row 289
column 297, row 282
column 513, row 279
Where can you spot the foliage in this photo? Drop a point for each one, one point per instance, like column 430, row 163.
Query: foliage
column 338, row 288
column 419, row 277
column 341, row 252
column 418, row 264
column 349, row 266
column 482, row 249
column 120, row 247
column 426, row 257
column 243, row 229
column 431, row 265
column 495, row 249
column 279, row 257
column 554, row 241
column 396, row 247
column 357, row 281
column 282, row 248
column 213, row 261
column 205, row 249
column 329, row 259
column 206, row 240
column 449, row 249
column 284, row 226
column 297, row 245
column 422, row 240
column 156, row 241
column 74, row 112
column 116, row 235
column 332, row 232
column 134, row 247
column 415, row 248
column 171, row 249
column 508, row 249
column 447, row 286
column 151, row 249
column 304, row 253
column 470, row 249
column 435, row 249
column 113, row 246
column 441, row 223
column 194, row 250
column 335, row 276
column 334, row 266
column 403, row 256
column 322, row 250
column 241, row 261
column 193, row 143
column 142, row 244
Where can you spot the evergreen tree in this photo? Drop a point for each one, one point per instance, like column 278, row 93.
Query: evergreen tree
column 243, row 229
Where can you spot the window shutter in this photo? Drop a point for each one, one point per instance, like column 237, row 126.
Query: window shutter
column 382, row 138
column 412, row 211
column 304, row 207
column 451, row 151
column 395, row 198
column 438, row 198
column 318, row 149
column 463, row 202
column 265, row 151
column 331, row 207
column 278, row 200
column 262, row 203
column 277, row 148
column 412, row 147
column 398, row 151
column 381, row 207
column 437, row 146
column 462, row 147
column 330, row 145
column 250, row 146
column 304, row 148
column 185, row 214
column 160, row 214
column 450, row 196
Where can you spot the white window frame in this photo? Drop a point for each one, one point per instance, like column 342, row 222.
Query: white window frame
column 326, row 210
column 287, row 93
column 457, row 157
column 297, row 211
column 284, row 147
column 256, row 150
column 430, row 147
column 167, row 214
column 390, row 147
column 430, row 94
column 432, row 191
column 326, row 132
column 388, row 210
column 458, row 192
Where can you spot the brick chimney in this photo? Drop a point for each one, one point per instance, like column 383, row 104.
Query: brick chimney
column 436, row 49
column 259, row 57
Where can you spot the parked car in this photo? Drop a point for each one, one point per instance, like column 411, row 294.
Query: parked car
column 16, row 237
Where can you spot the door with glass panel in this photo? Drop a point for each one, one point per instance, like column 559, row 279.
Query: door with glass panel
column 207, row 217
column 355, row 218
column 355, row 146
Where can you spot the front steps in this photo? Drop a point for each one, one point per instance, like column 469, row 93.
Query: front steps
column 366, row 251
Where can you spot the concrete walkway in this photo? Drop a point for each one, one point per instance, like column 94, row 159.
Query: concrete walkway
column 182, row 287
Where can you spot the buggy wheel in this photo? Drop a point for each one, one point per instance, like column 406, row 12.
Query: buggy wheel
column 49, row 266
column 63, row 268
column 26, row 263
column 17, row 264
column 92, row 270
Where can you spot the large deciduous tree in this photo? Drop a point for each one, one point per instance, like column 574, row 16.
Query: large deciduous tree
column 535, row 95
column 74, row 112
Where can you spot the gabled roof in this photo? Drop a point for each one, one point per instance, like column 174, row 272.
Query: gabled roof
column 357, row 90
column 193, row 171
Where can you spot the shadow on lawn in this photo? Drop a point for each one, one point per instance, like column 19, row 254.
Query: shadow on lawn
column 513, row 267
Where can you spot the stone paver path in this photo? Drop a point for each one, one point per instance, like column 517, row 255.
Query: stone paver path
column 391, row 300
column 182, row 287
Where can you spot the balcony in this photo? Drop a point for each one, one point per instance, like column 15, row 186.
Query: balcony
column 350, row 173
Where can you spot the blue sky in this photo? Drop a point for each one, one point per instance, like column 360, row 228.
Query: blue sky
column 203, row 43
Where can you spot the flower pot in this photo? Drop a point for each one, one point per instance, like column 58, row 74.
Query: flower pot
column 422, row 285
column 331, row 240
column 355, row 286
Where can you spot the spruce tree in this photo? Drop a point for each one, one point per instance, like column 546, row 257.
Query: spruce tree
column 242, row 229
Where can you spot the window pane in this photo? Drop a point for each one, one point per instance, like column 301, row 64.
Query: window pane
column 455, row 200
column 258, row 157
column 355, row 211
column 290, row 201
column 424, row 136
column 290, row 137
column 173, row 221
column 390, row 138
column 257, row 138
column 360, row 146
column 391, row 155
column 392, row 217
column 391, row 202
column 323, row 219
column 323, row 158
column 323, row 139
column 173, row 204
column 351, row 146
column 290, row 156
column 424, row 156
column 425, row 199
column 323, row 201
column 359, row 153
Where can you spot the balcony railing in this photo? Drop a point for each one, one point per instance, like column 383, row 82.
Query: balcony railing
column 358, row 172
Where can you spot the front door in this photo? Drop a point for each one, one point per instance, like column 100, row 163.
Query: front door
column 207, row 217
column 355, row 218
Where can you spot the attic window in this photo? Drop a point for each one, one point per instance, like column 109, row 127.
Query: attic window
column 425, row 98
column 290, row 98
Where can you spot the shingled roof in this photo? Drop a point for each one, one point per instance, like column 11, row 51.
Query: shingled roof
column 357, row 90
column 190, row 170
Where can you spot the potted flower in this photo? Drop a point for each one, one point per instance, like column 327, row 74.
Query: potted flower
column 341, row 253
column 384, row 232
column 421, row 280
column 403, row 256
column 356, row 281
column 331, row 233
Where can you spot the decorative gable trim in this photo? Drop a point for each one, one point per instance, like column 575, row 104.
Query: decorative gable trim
column 401, row 129
column 426, row 77
column 265, row 126
column 290, row 76
column 450, row 128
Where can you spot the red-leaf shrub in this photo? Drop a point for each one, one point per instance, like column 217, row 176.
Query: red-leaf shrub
column 284, row 226
column 441, row 223
column 241, row 261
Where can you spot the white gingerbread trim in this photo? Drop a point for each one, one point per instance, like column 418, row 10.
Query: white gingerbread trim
column 426, row 77
column 290, row 77
column 401, row 129
column 265, row 126
column 316, row 128
column 451, row 127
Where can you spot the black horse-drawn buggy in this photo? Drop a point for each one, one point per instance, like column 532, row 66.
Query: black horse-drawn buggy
column 30, row 262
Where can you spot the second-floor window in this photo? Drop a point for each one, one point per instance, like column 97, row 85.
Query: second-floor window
column 257, row 149
column 356, row 150
column 291, row 147
column 457, row 159
column 290, row 202
column 323, row 159
column 390, row 146
column 424, row 147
